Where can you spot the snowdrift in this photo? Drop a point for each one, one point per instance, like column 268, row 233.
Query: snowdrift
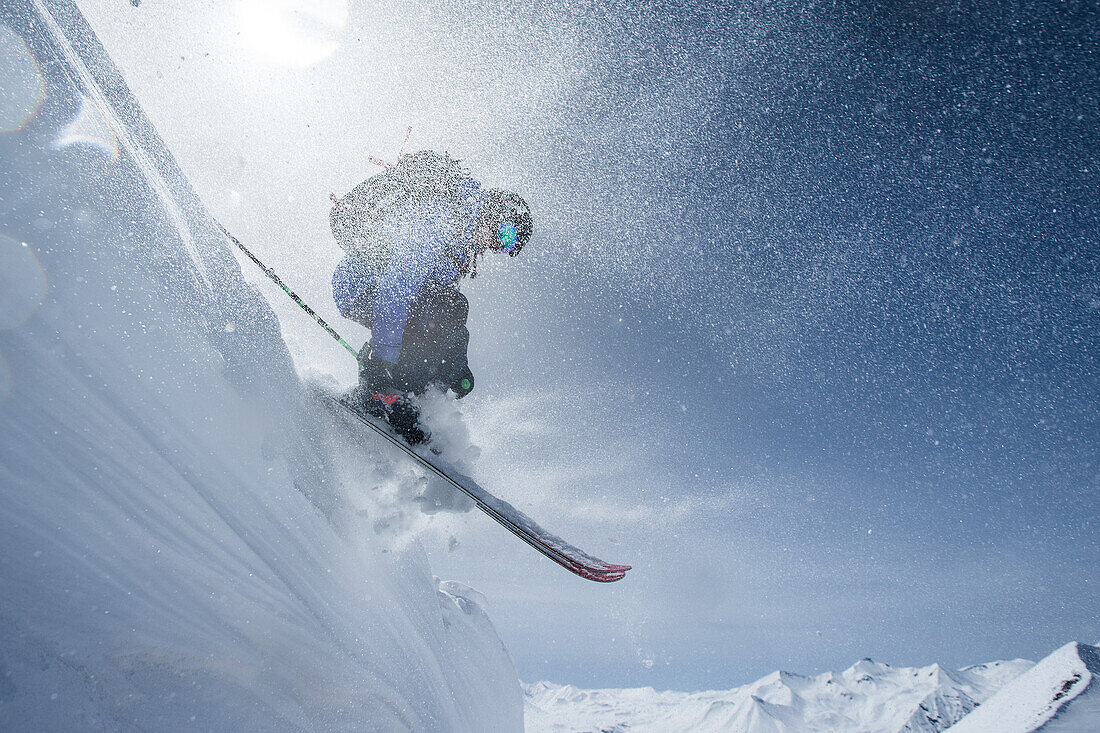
column 182, row 538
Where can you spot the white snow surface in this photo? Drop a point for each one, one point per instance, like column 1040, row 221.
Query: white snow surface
column 187, row 539
column 1059, row 694
column 868, row 697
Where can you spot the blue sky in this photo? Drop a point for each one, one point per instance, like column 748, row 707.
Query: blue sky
column 860, row 249
column 808, row 333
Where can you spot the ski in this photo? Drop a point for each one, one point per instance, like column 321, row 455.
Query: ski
column 561, row 552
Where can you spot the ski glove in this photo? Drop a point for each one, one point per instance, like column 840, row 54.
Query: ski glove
column 464, row 385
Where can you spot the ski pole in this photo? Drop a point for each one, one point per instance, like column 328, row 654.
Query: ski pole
column 293, row 296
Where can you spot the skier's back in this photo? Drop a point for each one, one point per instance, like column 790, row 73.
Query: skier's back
column 400, row 279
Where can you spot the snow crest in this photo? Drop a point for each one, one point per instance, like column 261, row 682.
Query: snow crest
column 1060, row 693
column 180, row 542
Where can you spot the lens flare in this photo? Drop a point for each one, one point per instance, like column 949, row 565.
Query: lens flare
column 22, row 283
column 297, row 33
column 90, row 128
column 22, row 88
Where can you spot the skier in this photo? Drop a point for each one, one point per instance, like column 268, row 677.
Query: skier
column 412, row 233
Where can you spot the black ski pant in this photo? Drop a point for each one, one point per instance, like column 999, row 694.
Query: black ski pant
column 434, row 344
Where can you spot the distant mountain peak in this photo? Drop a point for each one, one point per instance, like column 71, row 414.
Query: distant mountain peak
column 870, row 697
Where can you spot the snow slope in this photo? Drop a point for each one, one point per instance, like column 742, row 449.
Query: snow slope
column 1061, row 693
column 186, row 537
column 868, row 697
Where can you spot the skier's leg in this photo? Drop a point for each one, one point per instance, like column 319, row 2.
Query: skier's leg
column 382, row 394
column 434, row 349
column 418, row 364
column 454, row 370
column 386, row 390
column 451, row 341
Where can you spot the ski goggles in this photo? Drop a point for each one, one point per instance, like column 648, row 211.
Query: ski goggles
column 506, row 235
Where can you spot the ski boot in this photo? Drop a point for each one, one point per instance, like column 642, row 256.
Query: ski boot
column 380, row 395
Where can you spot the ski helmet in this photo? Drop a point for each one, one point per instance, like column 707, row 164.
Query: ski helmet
column 509, row 218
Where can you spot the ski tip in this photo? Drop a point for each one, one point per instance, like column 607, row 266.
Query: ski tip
column 602, row 575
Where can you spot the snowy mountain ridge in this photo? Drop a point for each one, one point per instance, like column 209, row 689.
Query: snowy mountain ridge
column 1058, row 695
column 867, row 697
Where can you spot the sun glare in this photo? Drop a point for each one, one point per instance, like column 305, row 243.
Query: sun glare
column 90, row 127
column 296, row 33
